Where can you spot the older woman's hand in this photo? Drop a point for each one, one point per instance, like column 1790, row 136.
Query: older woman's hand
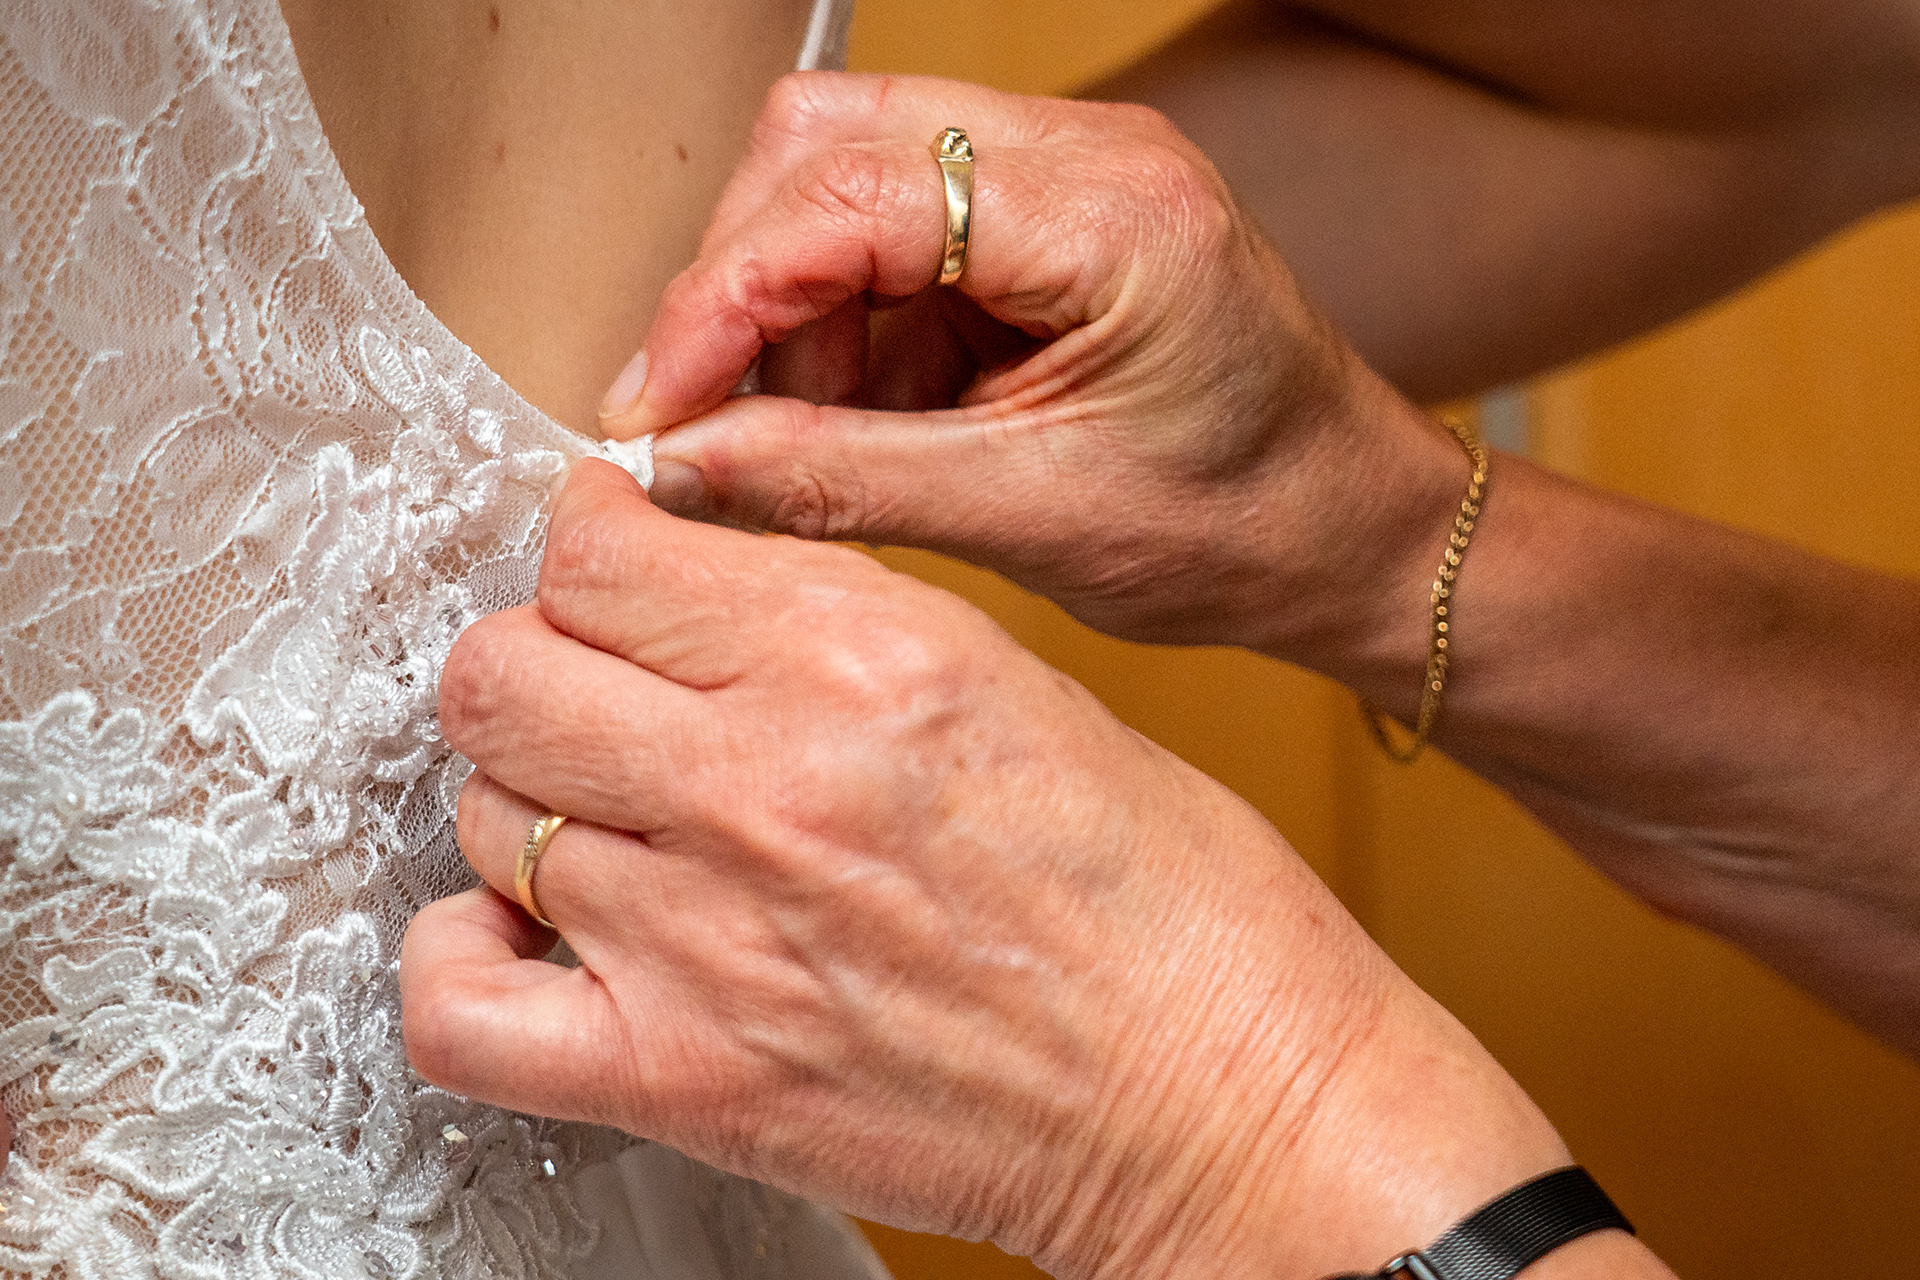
column 872, row 904
column 1124, row 403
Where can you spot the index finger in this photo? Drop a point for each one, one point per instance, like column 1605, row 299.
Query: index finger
column 1049, row 253
column 1057, row 219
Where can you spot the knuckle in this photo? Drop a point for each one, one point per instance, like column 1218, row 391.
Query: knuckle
column 470, row 682
column 767, row 299
column 807, row 508
column 571, row 554
column 1187, row 211
column 1131, row 119
column 585, row 551
column 817, row 503
column 792, row 104
column 1176, row 180
column 803, row 509
column 896, row 662
column 802, row 104
column 761, row 295
column 846, row 183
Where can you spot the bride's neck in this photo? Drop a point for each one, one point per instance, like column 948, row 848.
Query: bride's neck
column 538, row 170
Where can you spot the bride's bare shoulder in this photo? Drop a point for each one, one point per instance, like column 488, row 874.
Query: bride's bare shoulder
column 539, row 169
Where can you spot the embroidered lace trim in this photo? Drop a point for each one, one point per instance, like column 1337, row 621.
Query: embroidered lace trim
column 249, row 493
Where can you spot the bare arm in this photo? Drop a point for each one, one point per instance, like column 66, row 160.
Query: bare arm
column 1723, row 724
column 1481, row 189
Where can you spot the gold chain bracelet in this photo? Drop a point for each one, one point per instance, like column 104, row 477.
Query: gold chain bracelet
column 1439, row 655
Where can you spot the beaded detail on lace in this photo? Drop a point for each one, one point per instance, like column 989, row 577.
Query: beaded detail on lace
column 249, row 493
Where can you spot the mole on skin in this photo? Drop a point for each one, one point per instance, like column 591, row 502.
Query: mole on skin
column 493, row 19
column 680, row 149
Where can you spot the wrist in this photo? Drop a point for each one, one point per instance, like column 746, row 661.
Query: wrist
column 1404, row 1131
column 1354, row 532
column 1420, row 1128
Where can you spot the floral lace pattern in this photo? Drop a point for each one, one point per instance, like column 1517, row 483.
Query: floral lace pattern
column 250, row 492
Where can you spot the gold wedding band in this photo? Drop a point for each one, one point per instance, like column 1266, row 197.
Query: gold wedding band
column 539, row 835
column 954, row 152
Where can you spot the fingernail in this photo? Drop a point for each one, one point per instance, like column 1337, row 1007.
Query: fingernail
column 624, row 394
column 679, row 487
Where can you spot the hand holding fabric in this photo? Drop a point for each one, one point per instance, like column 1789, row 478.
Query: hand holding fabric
column 872, row 904
column 1124, row 403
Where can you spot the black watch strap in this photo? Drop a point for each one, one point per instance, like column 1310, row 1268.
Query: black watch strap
column 1503, row 1238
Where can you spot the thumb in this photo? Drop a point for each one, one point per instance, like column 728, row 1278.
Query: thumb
column 941, row 480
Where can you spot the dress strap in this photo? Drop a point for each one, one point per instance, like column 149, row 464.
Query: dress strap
column 826, row 45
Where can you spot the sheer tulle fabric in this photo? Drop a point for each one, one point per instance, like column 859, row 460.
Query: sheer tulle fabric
column 250, row 491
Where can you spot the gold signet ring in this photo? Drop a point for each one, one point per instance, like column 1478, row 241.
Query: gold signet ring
column 955, row 154
column 539, row 835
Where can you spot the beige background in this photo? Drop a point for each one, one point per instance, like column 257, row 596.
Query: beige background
column 1745, row 1130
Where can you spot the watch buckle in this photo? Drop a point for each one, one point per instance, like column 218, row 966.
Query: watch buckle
column 1411, row 1266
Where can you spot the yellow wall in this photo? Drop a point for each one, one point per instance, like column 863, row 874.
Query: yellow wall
column 1746, row 1130
column 1025, row 46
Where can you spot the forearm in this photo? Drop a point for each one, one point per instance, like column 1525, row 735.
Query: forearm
column 1722, row 723
column 1471, row 201
column 1280, row 1127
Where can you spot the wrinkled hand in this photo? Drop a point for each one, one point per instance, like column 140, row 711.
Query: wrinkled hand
column 1124, row 404
column 872, row 904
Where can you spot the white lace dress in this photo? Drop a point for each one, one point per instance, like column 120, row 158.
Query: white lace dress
column 250, row 491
